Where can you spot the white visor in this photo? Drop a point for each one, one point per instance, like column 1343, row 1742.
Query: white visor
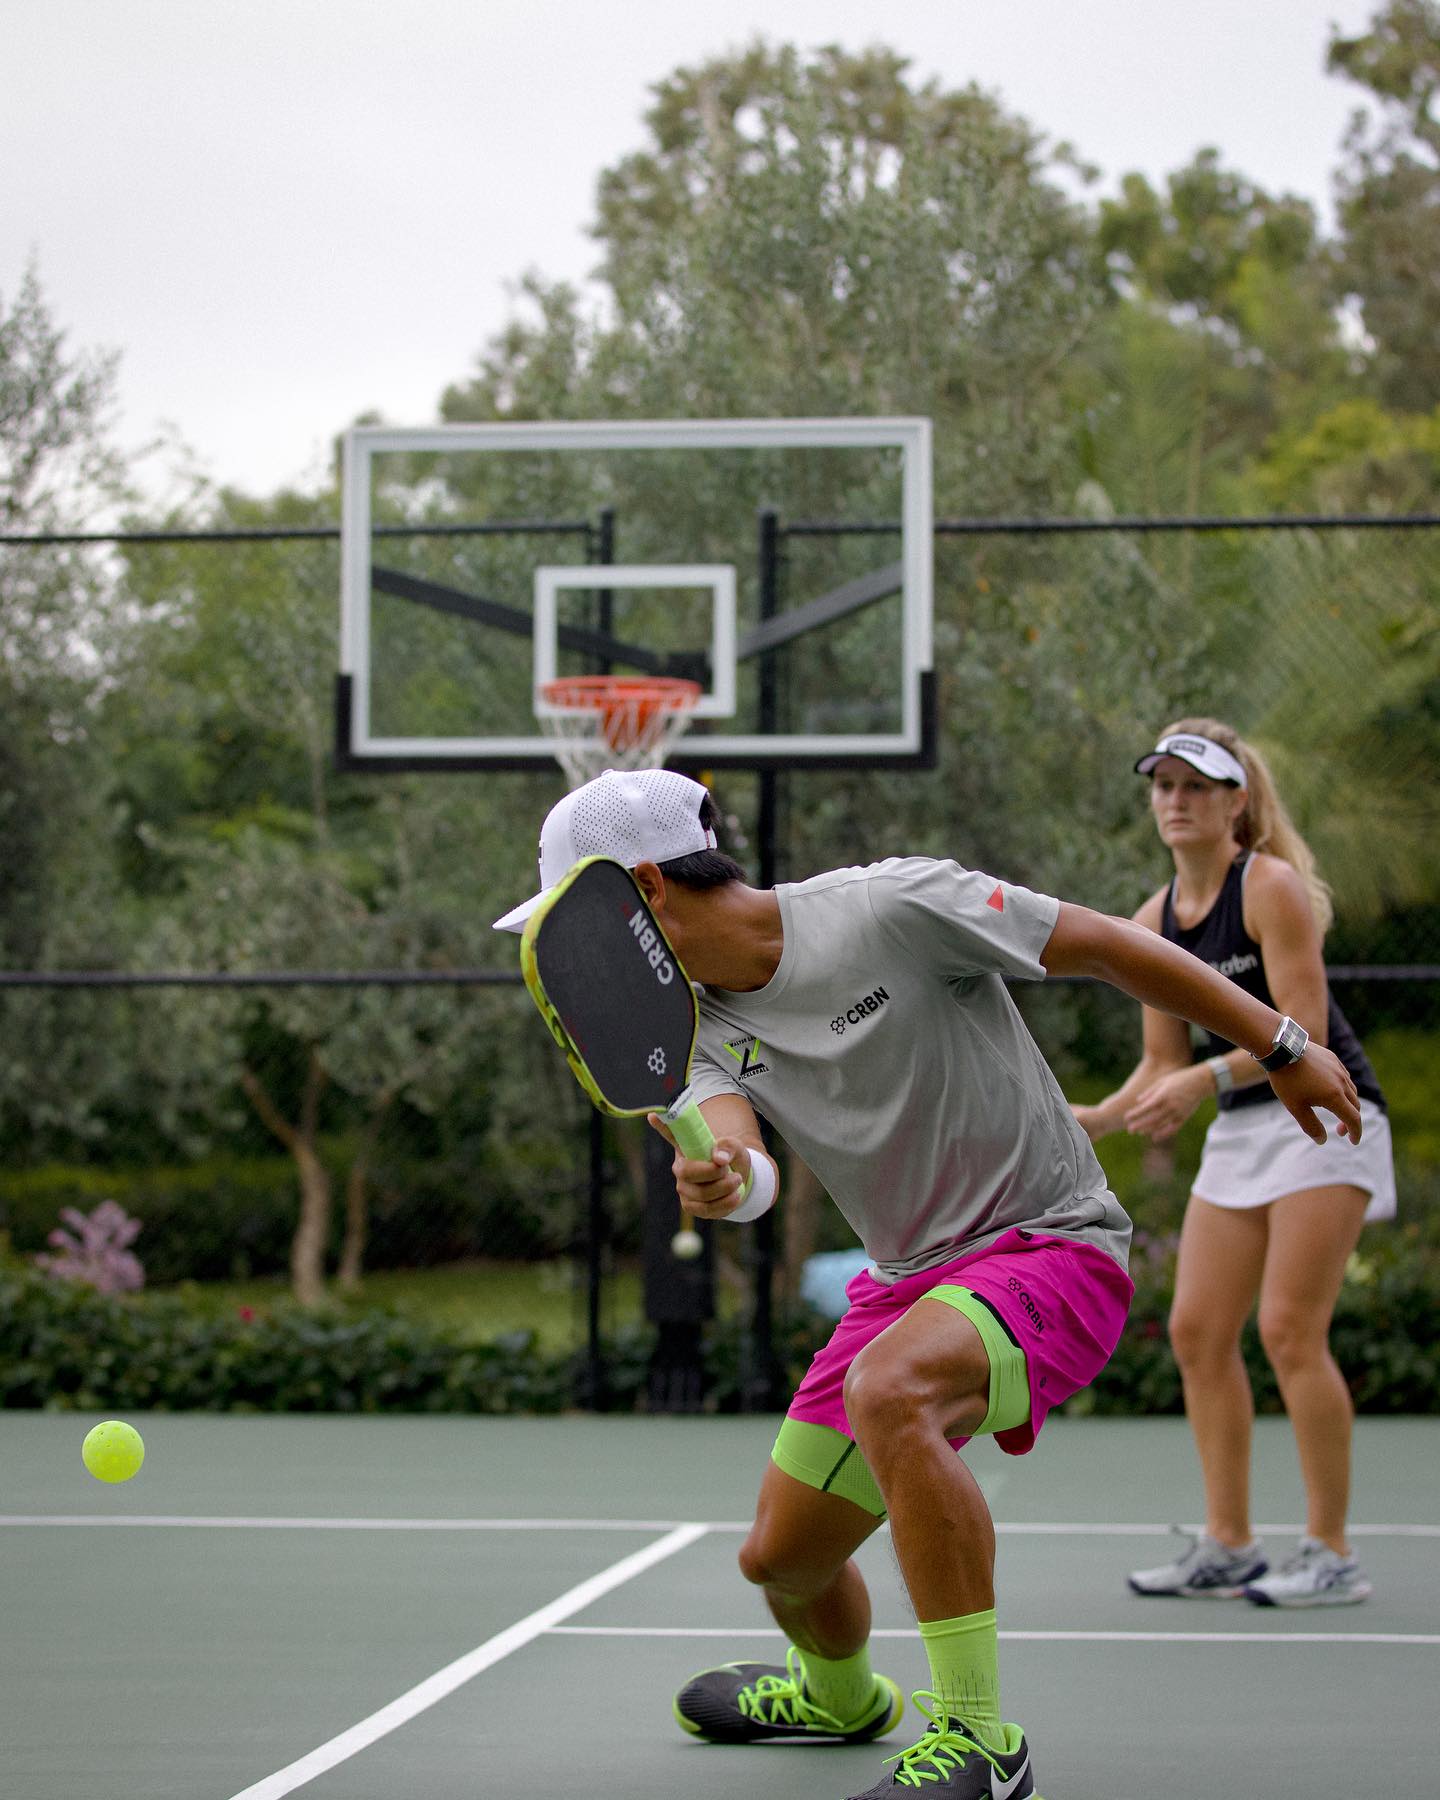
column 1202, row 753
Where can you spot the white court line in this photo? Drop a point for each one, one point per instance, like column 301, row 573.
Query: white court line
column 262, row 1522
column 1028, row 1637
column 1051, row 1529
column 454, row 1675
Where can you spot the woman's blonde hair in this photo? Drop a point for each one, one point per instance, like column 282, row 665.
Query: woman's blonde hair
column 1265, row 825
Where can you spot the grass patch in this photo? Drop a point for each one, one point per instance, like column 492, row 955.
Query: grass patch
column 475, row 1301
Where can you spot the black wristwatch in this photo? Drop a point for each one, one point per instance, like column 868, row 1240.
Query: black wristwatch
column 1288, row 1046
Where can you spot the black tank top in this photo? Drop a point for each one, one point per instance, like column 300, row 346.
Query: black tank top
column 1221, row 940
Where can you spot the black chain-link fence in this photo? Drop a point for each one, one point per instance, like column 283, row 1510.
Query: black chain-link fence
column 407, row 1139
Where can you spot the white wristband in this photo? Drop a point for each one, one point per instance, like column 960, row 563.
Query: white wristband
column 760, row 1195
column 1220, row 1073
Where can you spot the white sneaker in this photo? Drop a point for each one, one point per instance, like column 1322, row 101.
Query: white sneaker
column 1315, row 1575
column 1208, row 1570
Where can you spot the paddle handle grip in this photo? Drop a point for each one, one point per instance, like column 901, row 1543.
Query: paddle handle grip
column 688, row 1128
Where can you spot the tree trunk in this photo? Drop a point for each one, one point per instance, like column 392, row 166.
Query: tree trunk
column 312, row 1228
column 357, row 1207
column 312, row 1232
column 352, row 1246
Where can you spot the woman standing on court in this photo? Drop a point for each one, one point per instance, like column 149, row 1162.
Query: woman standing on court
column 1272, row 1214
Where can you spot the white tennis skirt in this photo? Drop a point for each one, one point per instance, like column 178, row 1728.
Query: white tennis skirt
column 1256, row 1154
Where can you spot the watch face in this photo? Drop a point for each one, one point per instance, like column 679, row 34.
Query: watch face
column 1289, row 1046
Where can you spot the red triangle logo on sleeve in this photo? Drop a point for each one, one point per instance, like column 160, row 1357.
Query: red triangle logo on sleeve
column 997, row 899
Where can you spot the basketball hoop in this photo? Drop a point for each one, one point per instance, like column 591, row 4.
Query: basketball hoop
column 599, row 722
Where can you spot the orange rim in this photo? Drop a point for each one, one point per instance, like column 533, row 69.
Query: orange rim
column 631, row 707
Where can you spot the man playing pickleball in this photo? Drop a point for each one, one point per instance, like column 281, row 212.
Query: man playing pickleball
column 864, row 1013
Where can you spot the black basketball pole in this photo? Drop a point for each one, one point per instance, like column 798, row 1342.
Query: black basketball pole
column 760, row 1387
column 601, row 547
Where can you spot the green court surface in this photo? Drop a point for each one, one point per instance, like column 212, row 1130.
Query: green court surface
column 370, row 1608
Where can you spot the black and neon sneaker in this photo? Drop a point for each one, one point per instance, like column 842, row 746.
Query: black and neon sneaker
column 753, row 1703
column 950, row 1759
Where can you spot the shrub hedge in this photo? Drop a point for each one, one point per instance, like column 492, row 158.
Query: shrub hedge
column 64, row 1346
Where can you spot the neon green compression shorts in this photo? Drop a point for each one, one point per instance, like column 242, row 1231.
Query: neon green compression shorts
column 827, row 1459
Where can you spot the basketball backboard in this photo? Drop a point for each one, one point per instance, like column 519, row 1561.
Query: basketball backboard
column 784, row 564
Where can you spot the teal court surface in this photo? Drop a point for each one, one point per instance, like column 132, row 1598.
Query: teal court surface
column 427, row 1609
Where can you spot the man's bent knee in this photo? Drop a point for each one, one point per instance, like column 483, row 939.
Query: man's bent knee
column 818, row 1504
column 785, row 1567
column 974, row 1380
column 886, row 1401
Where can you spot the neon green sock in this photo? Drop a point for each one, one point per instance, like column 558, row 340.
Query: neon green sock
column 844, row 1687
column 965, row 1672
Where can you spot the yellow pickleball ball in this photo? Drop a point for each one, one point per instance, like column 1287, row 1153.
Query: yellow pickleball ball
column 113, row 1451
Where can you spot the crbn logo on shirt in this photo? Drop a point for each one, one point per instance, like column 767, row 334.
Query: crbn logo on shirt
column 862, row 1009
column 746, row 1051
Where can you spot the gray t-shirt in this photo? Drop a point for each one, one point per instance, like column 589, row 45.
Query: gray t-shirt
column 887, row 1052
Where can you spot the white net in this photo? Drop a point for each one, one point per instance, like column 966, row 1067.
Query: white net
column 599, row 722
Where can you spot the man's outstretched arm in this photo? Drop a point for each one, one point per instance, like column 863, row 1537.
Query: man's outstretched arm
column 1162, row 975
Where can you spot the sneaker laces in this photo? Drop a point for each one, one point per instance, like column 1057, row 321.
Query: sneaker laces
column 943, row 1750
column 1310, row 1550
column 780, row 1699
column 1201, row 1550
column 1192, row 1542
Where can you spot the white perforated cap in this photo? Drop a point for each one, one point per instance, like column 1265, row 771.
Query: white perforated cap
column 633, row 815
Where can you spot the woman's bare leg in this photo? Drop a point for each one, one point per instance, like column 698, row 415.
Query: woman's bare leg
column 1312, row 1235
column 1222, row 1258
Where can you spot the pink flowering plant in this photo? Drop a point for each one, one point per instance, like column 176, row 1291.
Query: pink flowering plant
column 96, row 1249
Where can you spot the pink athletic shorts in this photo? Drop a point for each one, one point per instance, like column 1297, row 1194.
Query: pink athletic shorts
column 1063, row 1300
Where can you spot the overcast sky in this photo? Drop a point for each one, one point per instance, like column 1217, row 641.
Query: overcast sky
column 288, row 212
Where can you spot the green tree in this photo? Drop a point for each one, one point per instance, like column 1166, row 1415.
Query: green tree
column 806, row 235
column 1227, row 331
column 1350, row 634
column 247, row 852
column 1356, row 457
column 819, row 235
column 57, row 469
column 1389, row 195
column 311, row 1058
